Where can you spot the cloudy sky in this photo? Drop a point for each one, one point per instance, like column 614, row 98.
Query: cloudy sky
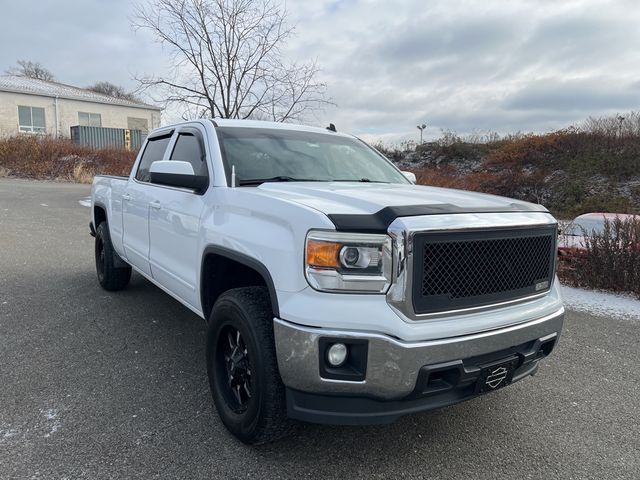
column 505, row 66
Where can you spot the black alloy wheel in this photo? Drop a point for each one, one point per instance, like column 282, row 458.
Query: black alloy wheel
column 242, row 366
column 235, row 363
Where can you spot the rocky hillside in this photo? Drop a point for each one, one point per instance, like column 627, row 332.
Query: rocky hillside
column 595, row 167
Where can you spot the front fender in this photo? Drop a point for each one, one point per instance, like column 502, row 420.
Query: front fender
column 262, row 230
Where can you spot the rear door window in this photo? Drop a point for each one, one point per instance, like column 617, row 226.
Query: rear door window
column 153, row 152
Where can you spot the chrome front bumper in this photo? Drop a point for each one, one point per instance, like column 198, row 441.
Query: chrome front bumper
column 393, row 366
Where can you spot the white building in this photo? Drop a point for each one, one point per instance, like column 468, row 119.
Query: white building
column 29, row 105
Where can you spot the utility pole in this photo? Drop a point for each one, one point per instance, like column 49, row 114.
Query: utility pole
column 421, row 128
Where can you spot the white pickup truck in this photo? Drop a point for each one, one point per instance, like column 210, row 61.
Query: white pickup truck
column 335, row 290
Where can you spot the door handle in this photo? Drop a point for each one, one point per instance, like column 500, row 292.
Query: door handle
column 126, row 197
column 155, row 205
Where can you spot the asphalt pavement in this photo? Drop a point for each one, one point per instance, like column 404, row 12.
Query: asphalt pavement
column 113, row 385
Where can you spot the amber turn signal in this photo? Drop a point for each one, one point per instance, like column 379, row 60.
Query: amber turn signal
column 323, row 254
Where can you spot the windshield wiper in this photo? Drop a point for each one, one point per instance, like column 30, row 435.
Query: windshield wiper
column 286, row 178
column 279, row 178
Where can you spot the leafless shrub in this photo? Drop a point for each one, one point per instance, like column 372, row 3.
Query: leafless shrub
column 388, row 150
column 611, row 260
column 27, row 68
column 45, row 157
column 112, row 90
column 621, row 125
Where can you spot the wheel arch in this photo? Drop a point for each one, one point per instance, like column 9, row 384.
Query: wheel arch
column 223, row 269
column 99, row 214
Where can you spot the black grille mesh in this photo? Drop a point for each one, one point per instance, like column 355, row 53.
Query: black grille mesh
column 466, row 271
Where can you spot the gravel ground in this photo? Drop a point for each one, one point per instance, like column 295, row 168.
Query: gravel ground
column 100, row 385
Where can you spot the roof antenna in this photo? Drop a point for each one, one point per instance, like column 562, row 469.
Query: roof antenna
column 233, row 176
column 332, row 128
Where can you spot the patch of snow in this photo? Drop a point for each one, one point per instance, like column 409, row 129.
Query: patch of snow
column 616, row 305
column 51, row 414
column 7, row 432
column 85, row 202
column 46, row 424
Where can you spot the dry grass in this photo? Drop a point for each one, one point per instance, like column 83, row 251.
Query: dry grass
column 4, row 172
column 82, row 174
column 47, row 158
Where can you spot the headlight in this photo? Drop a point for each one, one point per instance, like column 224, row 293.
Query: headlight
column 351, row 262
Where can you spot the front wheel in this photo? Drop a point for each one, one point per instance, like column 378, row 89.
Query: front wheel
column 242, row 366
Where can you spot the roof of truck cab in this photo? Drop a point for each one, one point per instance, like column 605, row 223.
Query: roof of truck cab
column 229, row 122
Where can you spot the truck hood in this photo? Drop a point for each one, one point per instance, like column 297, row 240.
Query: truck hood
column 356, row 198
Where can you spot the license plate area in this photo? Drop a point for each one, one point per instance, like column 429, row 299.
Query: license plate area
column 497, row 375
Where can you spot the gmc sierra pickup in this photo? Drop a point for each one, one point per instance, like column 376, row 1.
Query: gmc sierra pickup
column 334, row 289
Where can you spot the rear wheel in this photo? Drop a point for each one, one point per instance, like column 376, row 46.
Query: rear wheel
column 242, row 366
column 110, row 276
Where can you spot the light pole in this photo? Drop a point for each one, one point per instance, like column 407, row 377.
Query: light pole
column 421, row 128
column 620, row 120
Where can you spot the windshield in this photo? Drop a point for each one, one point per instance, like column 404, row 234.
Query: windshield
column 260, row 154
column 581, row 226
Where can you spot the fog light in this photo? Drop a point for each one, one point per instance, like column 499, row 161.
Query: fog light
column 337, row 354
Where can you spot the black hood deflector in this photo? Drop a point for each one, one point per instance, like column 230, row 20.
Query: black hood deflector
column 379, row 222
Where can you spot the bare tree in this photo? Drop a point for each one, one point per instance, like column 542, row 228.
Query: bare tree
column 228, row 62
column 27, row 68
column 108, row 88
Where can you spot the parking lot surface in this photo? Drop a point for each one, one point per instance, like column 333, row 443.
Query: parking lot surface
column 113, row 385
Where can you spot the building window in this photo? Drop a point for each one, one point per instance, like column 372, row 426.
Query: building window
column 138, row 124
column 31, row 119
column 89, row 119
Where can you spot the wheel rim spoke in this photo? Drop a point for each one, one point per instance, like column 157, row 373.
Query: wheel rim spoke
column 234, row 355
column 236, row 392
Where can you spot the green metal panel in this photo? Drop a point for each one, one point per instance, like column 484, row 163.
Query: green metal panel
column 102, row 137
column 137, row 139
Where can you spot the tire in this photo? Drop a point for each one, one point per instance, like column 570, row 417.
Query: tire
column 245, row 382
column 110, row 277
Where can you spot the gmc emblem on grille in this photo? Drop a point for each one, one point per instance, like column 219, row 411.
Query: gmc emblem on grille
column 542, row 285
